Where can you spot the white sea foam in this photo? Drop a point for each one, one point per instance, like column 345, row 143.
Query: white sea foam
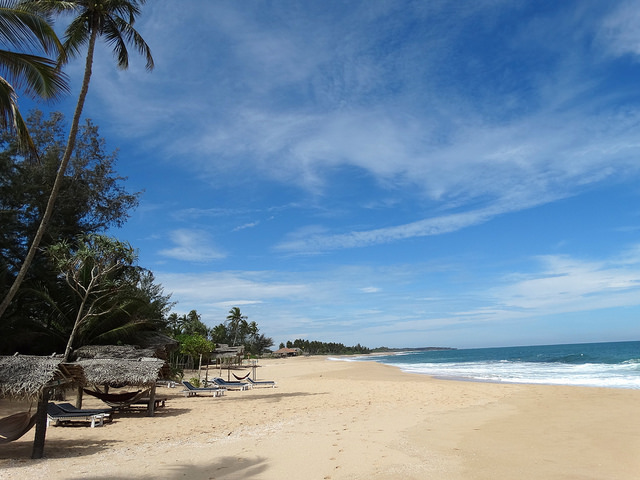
column 626, row 375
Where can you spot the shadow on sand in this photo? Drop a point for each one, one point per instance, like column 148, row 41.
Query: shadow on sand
column 229, row 468
column 21, row 449
column 271, row 396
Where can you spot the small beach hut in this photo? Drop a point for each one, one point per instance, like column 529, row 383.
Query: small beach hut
column 30, row 377
column 286, row 352
column 121, row 365
column 224, row 354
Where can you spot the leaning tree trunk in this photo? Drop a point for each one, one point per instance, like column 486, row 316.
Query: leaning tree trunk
column 71, row 142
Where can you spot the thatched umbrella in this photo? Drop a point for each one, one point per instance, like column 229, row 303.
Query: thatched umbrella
column 131, row 352
column 25, row 376
column 121, row 365
column 159, row 343
column 115, row 371
column 31, row 377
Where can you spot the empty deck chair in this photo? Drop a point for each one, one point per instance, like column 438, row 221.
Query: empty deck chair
column 192, row 391
column 231, row 385
column 58, row 416
column 261, row 383
column 69, row 408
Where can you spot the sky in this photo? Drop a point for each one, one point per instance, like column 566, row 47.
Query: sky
column 389, row 173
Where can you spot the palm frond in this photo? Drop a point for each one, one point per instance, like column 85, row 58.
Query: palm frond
column 27, row 29
column 36, row 76
column 76, row 36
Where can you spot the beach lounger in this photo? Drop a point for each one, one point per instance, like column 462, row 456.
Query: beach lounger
column 261, row 383
column 231, row 385
column 58, row 416
column 192, row 391
column 69, row 408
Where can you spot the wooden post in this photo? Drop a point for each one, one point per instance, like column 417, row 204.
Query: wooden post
column 79, row 397
column 152, row 401
column 41, row 424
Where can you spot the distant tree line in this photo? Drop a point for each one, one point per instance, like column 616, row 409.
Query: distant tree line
column 196, row 339
column 314, row 347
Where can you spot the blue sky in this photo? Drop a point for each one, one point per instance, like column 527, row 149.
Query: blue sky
column 397, row 173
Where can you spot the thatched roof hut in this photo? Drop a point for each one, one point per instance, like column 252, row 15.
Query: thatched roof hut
column 118, row 371
column 161, row 344
column 25, row 376
column 120, row 365
column 121, row 352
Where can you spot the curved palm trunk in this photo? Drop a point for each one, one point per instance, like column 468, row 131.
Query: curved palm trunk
column 71, row 142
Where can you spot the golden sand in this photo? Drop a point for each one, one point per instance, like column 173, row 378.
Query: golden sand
column 351, row 420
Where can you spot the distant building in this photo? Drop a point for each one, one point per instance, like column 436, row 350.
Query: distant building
column 226, row 354
column 287, row 352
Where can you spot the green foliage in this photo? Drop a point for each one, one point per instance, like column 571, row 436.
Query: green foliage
column 187, row 324
column 195, row 381
column 23, row 32
column 111, row 20
column 97, row 269
column 91, row 200
column 323, row 348
column 195, row 345
column 237, row 330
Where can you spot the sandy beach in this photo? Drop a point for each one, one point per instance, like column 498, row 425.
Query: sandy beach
column 332, row 419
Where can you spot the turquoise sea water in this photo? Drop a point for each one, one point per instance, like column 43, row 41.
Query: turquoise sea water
column 615, row 365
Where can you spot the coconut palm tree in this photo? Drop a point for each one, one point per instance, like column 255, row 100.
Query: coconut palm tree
column 112, row 20
column 36, row 76
column 237, row 325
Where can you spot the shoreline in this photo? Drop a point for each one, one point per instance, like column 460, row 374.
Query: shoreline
column 351, row 420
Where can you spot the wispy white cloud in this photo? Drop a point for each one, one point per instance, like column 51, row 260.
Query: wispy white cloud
column 331, row 302
column 571, row 285
column 618, row 33
column 192, row 246
column 245, row 226
column 314, row 240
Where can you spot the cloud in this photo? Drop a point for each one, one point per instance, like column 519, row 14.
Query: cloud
column 192, row 246
column 566, row 284
column 370, row 289
column 618, row 33
column 246, row 225
column 314, row 240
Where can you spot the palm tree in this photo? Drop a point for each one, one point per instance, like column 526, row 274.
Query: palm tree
column 111, row 19
column 237, row 324
column 36, row 76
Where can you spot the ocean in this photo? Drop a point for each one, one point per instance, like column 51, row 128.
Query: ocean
column 612, row 365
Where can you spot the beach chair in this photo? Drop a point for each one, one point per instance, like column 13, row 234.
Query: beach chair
column 230, row 385
column 58, row 416
column 261, row 383
column 192, row 391
column 15, row 426
column 69, row 408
